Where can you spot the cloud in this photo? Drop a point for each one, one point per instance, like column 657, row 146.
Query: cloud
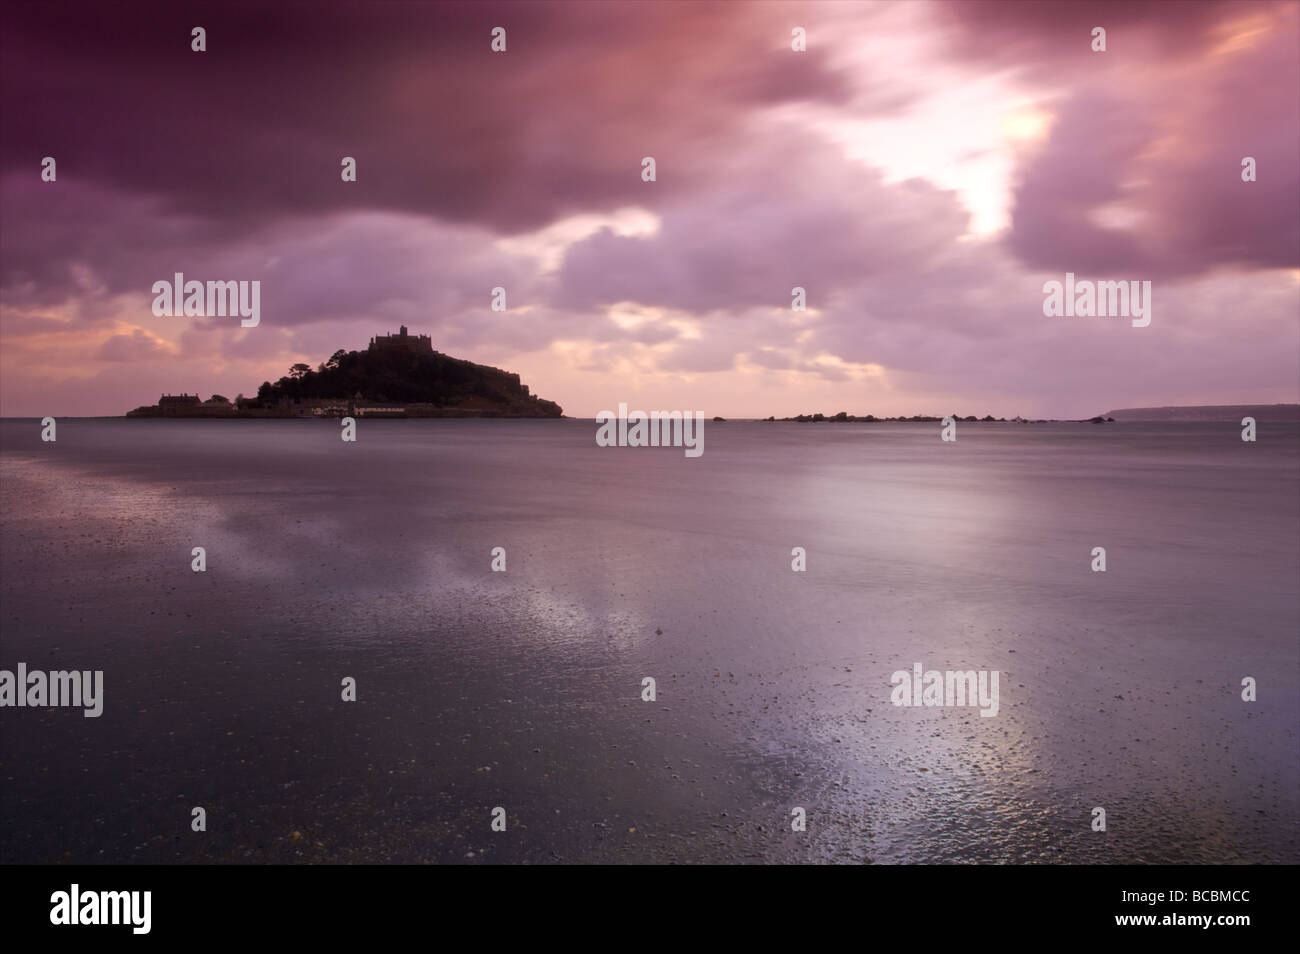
column 139, row 345
column 254, row 129
column 1142, row 170
column 868, row 170
column 794, row 212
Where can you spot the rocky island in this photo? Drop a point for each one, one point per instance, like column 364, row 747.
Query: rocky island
column 398, row 375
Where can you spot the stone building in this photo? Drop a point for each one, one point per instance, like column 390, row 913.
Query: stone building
column 402, row 342
column 178, row 403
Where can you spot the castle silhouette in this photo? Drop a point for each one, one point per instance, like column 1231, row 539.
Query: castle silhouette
column 413, row 344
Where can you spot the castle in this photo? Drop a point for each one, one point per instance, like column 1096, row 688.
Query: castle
column 414, row 344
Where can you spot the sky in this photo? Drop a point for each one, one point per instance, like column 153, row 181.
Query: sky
column 920, row 169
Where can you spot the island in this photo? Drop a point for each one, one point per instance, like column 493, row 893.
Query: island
column 398, row 375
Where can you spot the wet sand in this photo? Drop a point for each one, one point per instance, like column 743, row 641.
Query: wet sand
column 523, row 689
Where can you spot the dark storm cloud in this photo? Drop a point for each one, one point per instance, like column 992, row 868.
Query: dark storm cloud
column 255, row 127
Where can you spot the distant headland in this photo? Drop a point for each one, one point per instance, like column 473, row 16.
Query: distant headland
column 1264, row 413
column 398, row 375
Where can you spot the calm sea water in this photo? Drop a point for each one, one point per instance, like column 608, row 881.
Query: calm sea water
column 523, row 689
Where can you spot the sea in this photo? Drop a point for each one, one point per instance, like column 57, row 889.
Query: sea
column 493, row 641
